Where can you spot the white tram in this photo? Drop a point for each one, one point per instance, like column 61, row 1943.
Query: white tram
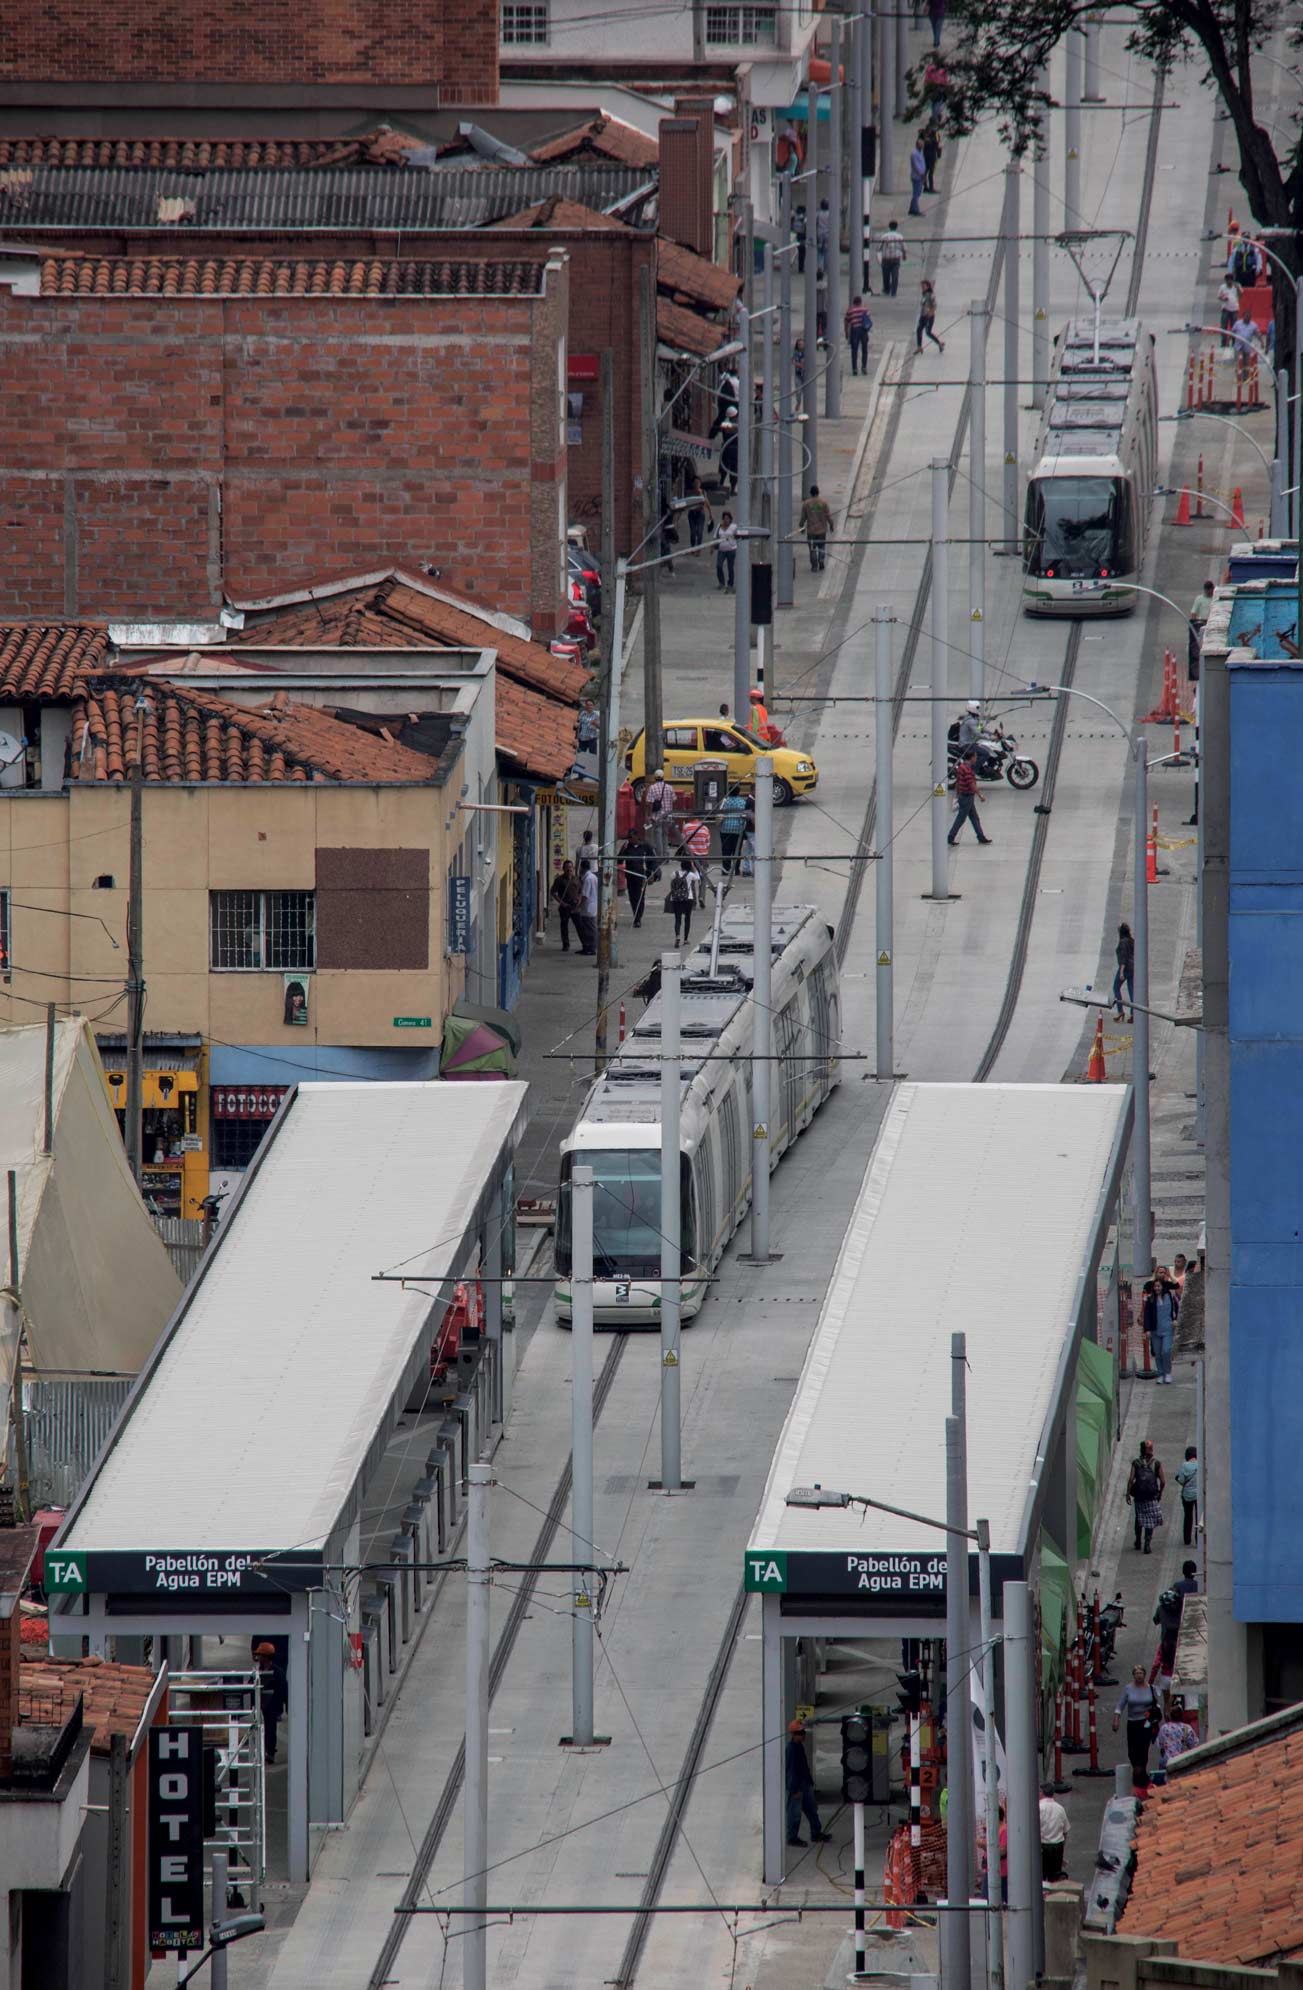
column 1089, row 498
column 618, row 1131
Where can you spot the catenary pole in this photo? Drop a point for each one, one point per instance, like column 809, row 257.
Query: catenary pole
column 978, row 323
column 1041, row 265
column 955, row 1942
column 653, row 715
column 854, row 145
column 742, row 596
column 1026, row 1938
column 671, row 1225
column 134, row 1116
column 1073, row 49
column 785, row 552
column 990, row 1764
column 581, row 1452
column 887, row 25
column 613, row 648
column 940, row 672
column 1012, row 330
column 883, row 934
column 833, row 357
column 762, row 997
column 475, row 1806
column 1143, row 1219
column 866, row 183
column 1092, row 93
column 810, row 397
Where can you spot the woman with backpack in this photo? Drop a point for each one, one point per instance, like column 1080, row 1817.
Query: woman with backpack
column 1145, row 1489
column 682, row 897
column 1139, row 1702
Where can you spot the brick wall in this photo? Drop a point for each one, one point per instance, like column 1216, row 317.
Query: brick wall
column 155, row 452
column 450, row 44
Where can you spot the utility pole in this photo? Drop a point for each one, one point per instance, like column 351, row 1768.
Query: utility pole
column 767, row 455
column 1072, row 60
column 810, row 397
column 653, row 717
column 1092, row 92
column 475, row 1804
column 990, row 1777
column 940, row 672
column 883, row 931
column 959, row 1759
column 134, row 1130
column 116, row 1867
column 23, row 1503
column 51, row 1018
column 608, row 781
column 762, row 930
column 1012, row 328
column 742, row 596
column 785, row 551
column 1026, row 1902
column 887, row 30
column 1041, row 265
column 855, row 151
column 671, row 1230
column 1142, row 1251
column 581, row 1452
column 902, row 54
column 978, row 321
column 833, row 389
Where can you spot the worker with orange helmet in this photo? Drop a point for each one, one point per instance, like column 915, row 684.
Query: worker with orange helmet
column 759, row 716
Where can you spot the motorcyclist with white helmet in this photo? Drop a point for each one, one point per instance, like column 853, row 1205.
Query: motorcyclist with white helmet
column 970, row 725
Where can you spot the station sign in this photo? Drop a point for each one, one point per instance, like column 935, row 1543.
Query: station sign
column 176, row 1839
column 912, row 1584
column 175, row 1572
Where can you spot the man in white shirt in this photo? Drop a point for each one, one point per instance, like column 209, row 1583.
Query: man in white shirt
column 1228, row 299
column 1244, row 335
column 1054, row 1834
column 588, row 909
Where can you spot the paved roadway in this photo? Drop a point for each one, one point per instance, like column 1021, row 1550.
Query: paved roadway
column 569, row 1828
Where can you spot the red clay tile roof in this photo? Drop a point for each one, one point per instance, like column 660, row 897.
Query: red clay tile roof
column 600, row 138
column 535, row 732
column 691, row 278
column 686, row 330
column 1217, row 1854
column 192, row 737
column 44, row 662
column 193, row 154
column 554, row 212
column 114, row 1696
column 396, row 614
column 249, row 276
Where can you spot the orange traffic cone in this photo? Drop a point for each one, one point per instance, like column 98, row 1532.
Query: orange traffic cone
column 1183, row 510
column 1095, row 1072
column 1237, row 507
column 1151, row 850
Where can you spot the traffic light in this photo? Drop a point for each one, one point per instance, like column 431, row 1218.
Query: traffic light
column 857, row 1766
column 909, row 1696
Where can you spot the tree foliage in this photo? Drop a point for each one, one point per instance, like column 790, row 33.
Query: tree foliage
column 997, row 64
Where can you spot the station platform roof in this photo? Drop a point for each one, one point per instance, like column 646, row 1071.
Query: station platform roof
column 983, row 1210
column 288, row 1361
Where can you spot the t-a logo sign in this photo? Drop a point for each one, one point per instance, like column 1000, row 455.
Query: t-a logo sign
column 65, row 1570
column 766, row 1573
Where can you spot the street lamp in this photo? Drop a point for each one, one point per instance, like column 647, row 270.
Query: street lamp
column 1142, row 1219
column 980, row 1533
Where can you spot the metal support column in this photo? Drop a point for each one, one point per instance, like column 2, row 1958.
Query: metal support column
column 1012, row 330
column 884, row 922
column 581, row 1453
column 990, row 1770
column 810, row 396
column 475, row 1798
column 940, row 593
column 833, row 357
column 1041, row 267
column 978, row 324
column 1143, row 1232
column 888, row 25
column 955, row 1934
column 762, row 970
column 1073, row 56
column 785, row 552
column 742, row 595
column 297, row 1721
column 1026, row 1913
column 671, row 1224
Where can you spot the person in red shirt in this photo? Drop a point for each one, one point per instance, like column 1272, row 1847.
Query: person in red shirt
column 966, row 798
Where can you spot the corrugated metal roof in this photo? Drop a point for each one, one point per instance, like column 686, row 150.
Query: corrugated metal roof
column 976, row 1215
column 284, row 1360
column 256, row 200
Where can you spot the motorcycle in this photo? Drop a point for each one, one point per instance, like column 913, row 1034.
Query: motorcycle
column 997, row 755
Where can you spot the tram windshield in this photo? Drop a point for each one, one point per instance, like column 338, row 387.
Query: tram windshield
column 626, row 1212
column 1077, row 526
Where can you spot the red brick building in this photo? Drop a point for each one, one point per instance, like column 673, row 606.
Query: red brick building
column 176, row 429
column 300, row 50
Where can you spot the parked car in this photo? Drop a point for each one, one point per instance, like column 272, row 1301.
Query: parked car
column 689, row 740
column 584, row 569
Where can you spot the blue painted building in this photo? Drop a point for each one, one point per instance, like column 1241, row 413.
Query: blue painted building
column 1252, row 808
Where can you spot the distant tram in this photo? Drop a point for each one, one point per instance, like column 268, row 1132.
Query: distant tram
column 618, row 1132
column 1090, row 495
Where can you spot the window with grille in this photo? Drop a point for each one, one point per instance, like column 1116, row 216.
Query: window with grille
column 236, row 1141
column 252, row 930
column 729, row 26
column 524, row 21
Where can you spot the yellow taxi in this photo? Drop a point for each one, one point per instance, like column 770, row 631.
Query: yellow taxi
column 689, row 740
